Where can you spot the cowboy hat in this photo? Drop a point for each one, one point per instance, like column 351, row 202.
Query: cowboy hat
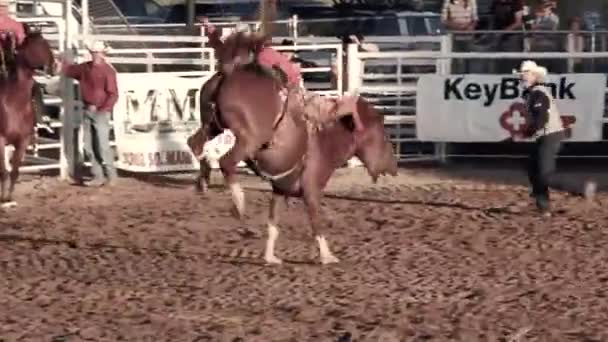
column 96, row 46
column 531, row 66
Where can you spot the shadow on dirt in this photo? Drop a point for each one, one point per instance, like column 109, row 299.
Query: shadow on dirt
column 510, row 172
column 186, row 182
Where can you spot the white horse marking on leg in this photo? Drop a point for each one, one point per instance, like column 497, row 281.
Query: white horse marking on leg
column 238, row 198
column 8, row 205
column 326, row 256
column 273, row 234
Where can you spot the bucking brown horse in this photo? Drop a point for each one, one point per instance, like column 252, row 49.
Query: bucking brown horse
column 16, row 108
column 281, row 146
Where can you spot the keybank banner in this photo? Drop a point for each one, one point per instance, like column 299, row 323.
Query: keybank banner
column 490, row 108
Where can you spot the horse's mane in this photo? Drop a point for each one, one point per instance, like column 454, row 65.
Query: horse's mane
column 252, row 42
column 32, row 35
column 238, row 44
column 243, row 43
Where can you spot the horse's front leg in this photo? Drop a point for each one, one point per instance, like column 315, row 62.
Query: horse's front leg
column 241, row 150
column 197, row 142
column 16, row 161
column 3, row 172
column 312, row 198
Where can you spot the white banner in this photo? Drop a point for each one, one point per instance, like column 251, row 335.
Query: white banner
column 489, row 108
column 154, row 116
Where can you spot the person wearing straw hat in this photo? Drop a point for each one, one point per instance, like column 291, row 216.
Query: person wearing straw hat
column 547, row 129
column 99, row 91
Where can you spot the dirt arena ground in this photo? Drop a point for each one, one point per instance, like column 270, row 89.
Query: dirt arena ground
column 432, row 255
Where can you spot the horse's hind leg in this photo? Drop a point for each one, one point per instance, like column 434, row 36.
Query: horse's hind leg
column 241, row 150
column 273, row 230
column 312, row 198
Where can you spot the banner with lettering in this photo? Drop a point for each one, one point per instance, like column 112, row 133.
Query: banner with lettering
column 154, row 116
column 490, row 108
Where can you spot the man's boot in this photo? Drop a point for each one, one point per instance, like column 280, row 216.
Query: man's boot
column 196, row 143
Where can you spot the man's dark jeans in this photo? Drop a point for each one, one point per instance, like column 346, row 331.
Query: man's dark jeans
column 542, row 170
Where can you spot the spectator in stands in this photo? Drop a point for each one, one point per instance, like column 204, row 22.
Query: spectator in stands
column 552, row 4
column 460, row 15
column 575, row 42
column 9, row 26
column 99, row 92
column 546, row 20
column 508, row 16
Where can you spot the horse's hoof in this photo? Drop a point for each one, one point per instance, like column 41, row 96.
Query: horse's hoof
column 329, row 259
column 8, row 205
column 272, row 260
column 236, row 213
column 201, row 187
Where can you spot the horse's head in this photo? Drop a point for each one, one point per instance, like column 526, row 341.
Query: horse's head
column 239, row 48
column 36, row 51
column 373, row 147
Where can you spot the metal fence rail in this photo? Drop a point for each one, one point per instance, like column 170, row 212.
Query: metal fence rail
column 387, row 77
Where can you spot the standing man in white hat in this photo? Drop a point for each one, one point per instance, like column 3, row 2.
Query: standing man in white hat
column 547, row 127
column 99, row 92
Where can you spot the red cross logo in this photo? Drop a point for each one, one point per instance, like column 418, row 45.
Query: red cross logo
column 516, row 119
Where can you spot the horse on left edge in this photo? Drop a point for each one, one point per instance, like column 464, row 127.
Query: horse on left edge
column 17, row 116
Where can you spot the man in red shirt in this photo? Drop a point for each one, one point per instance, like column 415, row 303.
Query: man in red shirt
column 11, row 27
column 99, row 92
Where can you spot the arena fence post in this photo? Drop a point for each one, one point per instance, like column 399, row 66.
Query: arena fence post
column 443, row 68
column 68, row 100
